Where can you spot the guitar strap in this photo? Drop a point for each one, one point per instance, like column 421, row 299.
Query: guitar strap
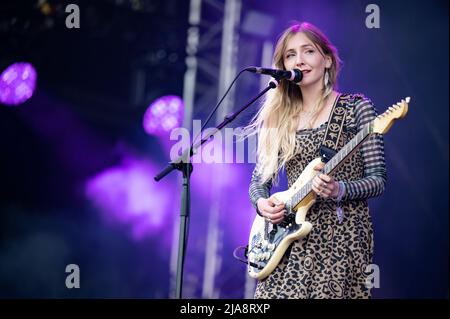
column 330, row 143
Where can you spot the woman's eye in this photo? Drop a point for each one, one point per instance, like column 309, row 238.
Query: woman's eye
column 310, row 51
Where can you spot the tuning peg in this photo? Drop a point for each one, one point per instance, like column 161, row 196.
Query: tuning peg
column 408, row 99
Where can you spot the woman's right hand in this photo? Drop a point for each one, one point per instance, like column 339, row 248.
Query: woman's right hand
column 271, row 209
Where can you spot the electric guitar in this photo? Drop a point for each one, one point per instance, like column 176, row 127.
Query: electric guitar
column 268, row 242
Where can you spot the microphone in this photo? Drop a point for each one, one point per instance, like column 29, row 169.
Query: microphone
column 294, row 75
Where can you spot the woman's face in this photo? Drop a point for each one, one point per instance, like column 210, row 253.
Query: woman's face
column 302, row 54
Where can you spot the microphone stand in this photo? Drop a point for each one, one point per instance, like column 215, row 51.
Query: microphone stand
column 184, row 165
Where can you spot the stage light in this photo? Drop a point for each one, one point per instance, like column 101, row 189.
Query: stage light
column 17, row 83
column 163, row 115
column 127, row 194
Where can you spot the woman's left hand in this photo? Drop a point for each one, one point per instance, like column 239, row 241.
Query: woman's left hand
column 324, row 185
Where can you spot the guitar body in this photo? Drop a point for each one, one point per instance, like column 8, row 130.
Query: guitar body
column 267, row 242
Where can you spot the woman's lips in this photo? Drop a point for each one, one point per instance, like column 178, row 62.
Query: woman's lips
column 306, row 72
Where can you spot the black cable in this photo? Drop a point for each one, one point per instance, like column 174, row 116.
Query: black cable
column 245, row 261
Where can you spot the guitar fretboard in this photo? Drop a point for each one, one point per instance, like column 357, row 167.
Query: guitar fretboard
column 335, row 162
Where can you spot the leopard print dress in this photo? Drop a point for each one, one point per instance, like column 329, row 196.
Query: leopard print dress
column 332, row 260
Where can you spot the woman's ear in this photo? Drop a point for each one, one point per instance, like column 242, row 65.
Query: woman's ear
column 328, row 62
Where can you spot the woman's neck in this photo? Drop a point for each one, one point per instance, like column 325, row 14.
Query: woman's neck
column 311, row 95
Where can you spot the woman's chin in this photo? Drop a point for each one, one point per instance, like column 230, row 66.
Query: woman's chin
column 305, row 84
column 308, row 82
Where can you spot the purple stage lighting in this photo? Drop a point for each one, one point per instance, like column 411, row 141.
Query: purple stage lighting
column 17, row 83
column 127, row 194
column 163, row 115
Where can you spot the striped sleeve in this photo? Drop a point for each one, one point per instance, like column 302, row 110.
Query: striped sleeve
column 372, row 150
column 257, row 189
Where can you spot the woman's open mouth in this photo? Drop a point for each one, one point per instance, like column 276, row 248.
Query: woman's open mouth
column 306, row 72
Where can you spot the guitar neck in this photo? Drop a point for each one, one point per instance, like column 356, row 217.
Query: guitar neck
column 347, row 150
column 336, row 161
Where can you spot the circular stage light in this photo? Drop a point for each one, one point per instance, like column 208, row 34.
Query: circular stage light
column 17, row 83
column 163, row 115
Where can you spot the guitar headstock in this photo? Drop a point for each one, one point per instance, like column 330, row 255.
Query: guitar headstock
column 384, row 121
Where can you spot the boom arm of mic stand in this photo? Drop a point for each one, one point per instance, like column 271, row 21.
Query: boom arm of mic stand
column 228, row 119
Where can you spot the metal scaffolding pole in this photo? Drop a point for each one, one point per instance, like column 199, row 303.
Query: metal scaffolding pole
column 205, row 81
column 213, row 260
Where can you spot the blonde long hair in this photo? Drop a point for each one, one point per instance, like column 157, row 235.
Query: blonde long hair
column 276, row 121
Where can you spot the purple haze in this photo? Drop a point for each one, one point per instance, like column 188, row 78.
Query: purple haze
column 127, row 194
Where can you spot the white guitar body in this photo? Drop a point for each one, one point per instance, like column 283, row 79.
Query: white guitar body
column 267, row 252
